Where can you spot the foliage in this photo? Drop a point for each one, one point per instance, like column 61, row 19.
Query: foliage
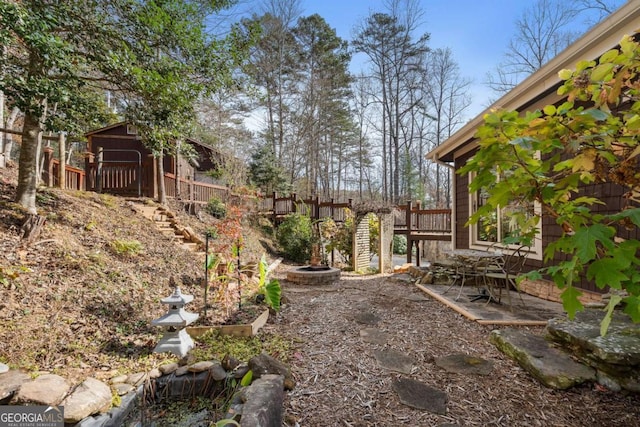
column 399, row 244
column 270, row 289
column 216, row 208
column 294, row 235
column 265, row 173
column 551, row 156
column 125, row 247
column 340, row 237
column 156, row 57
column 214, row 346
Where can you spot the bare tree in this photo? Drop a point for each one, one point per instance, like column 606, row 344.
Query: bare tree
column 543, row 30
column 395, row 58
column 541, row 33
column 447, row 93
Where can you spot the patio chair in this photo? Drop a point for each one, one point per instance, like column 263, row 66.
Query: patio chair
column 506, row 278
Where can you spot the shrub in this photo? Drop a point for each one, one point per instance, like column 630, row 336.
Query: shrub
column 216, row 208
column 400, row 244
column 126, row 247
column 294, row 237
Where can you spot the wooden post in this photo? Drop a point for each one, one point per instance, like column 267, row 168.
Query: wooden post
column 275, row 214
column 409, row 237
column 190, row 188
column 152, row 176
column 48, row 166
column 62, row 178
column 316, row 209
column 88, row 159
column 294, row 207
column 99, row 170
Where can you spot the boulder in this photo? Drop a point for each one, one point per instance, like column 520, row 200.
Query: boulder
column 90, row 397
column 549, row 365
column 47, row 390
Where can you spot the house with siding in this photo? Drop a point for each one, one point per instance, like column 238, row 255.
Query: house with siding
column 532, row 94
column 126, row 166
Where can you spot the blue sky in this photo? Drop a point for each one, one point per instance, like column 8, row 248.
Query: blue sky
column 476, row 31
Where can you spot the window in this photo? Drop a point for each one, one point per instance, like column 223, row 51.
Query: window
column 131, row 129
column 500, row 226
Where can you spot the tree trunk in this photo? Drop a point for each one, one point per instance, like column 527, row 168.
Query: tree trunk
column 162, row 194
column 27, row 179
column 8, row 138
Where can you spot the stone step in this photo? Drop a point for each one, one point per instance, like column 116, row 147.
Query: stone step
column 549, row 365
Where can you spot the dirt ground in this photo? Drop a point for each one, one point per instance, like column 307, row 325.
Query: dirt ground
column 339, row 382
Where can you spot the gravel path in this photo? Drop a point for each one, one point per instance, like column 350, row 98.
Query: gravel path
column 339, row 382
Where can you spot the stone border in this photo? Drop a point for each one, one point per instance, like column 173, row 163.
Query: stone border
column 313, row 277
column 259, row 404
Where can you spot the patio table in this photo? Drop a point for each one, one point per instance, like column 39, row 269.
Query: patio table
column 474, row 263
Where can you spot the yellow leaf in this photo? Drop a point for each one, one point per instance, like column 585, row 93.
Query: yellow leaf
column 565, row 74
column 584, row 161
column 549, row 110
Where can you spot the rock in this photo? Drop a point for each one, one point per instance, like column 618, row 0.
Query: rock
column 465, row 364
column 217, row 372
column 154, row 373
column 264, row 364
column 47, row 390
column 119, row 379
column 366, row 318
column 263, row 402
column 420, row 396
column 394, row 360
column 3, row 368
column 201, row 366
column 547, row 364
column 374, row 336
column 137, row 378
column 240, row 371
column 90, row 397
column 169, row 368
column 181, row 371
column 10, row 382
column 123, row 388
column 229, row 362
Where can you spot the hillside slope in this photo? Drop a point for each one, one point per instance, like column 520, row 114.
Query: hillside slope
column 72, row 302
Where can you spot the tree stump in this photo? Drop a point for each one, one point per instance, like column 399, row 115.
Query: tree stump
column 31, row 228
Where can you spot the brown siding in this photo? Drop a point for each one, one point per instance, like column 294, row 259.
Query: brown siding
column 462, row 205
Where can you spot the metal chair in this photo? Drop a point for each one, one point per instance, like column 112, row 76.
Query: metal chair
column 506, row 278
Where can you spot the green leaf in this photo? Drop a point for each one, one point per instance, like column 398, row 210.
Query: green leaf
column 247, row 378
column 607, row 272
column 609, row 56
column 586, row 238
column 596, row 114
column 602, row 72
column 272, row 294
column 632, row 307
column 606, row 320
column 570, row 301
column 549, row 110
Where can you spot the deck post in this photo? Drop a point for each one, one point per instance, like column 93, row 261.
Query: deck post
column 99, row 170
column 409, row 237
column 47, row 170
column 62, row 171
column 275, row 214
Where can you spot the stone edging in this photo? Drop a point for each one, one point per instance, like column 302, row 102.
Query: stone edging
column 89, row 404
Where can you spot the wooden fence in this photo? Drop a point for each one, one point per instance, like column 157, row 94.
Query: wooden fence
column 409, row 219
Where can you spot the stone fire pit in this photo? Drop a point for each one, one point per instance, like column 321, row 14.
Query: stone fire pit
column 314, row 275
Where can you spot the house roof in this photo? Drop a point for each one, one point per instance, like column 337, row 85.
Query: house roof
column 540, row 88
column 106, row 128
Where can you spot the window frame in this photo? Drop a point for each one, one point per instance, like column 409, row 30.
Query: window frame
column 535, row 250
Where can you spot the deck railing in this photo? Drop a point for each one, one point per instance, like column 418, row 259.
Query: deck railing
column 409, row 219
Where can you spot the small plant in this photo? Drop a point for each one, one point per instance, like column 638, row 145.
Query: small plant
column 270, row 290
column 126, row 247
column 294, row 236
column 216, row 208
column 399, row 244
